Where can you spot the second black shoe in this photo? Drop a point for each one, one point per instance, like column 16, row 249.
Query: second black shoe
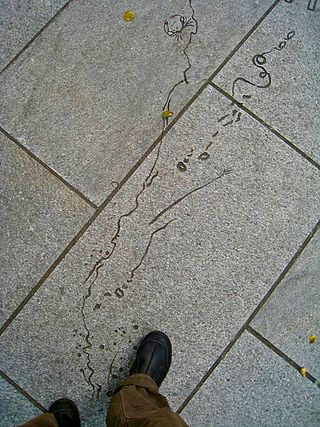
column 66, row 413
column 153, row 357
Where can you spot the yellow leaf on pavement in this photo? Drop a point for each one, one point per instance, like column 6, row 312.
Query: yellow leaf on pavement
column 303, row 372
column 129, row 15
column 312, row 339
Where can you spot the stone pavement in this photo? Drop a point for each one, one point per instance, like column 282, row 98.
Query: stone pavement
column 116, row 221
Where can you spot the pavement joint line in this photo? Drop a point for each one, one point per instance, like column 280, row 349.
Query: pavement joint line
column 243, row 40
column 249, row 320
column 57, row 261
column 282, row 275
column 266, row 125
column 211, row 369
column 48, row 168
column 281, row 354
column 22, row 391
column 34, row 37
column 128, row 175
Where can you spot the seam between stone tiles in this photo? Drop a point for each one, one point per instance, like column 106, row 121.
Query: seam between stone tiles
column 249, row 320
column 53, row 172
column 266, row 125
column 49, row 271
column 245, row 38
column 276, row 350
column 285, row 271
column 34, row 37
column 131, row 171
column 22, row 391
column 211, row 369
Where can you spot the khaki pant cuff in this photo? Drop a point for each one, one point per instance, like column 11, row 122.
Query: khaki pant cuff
column 141, row 380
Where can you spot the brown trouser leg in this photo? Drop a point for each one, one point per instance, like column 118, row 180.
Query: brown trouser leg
column 138, row 403
column 44, row 420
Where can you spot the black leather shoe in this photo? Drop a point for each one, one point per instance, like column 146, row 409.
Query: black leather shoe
column 153, row 357
column 66, row 413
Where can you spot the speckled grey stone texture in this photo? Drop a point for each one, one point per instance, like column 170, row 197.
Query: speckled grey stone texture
column 87, row 96
column 20, row 21
column 292, row 313
column 14, row 407
column 196, row 270
column 253, row 386
column 289, row 39
column 39, row 216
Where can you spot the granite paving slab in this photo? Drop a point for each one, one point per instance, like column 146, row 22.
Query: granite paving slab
column 189, row 245
column 253, row 386
column 20, row 21
column 14, row 407
column 291, row 315
column 87, row 97
column 276, row 74
column 39, row 216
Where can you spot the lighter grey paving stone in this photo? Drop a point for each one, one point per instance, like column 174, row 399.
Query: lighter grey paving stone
column 282, row 83
column 292, row 314
column 88, row 96
column 39, row 216
column 196, row 270
column 20, row 21
column 14, row 407
column 253, row 386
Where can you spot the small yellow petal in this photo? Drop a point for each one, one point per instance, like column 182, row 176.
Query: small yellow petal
column 303, row 372
column 167, row 114
column 312, row 339
column 129, row 15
